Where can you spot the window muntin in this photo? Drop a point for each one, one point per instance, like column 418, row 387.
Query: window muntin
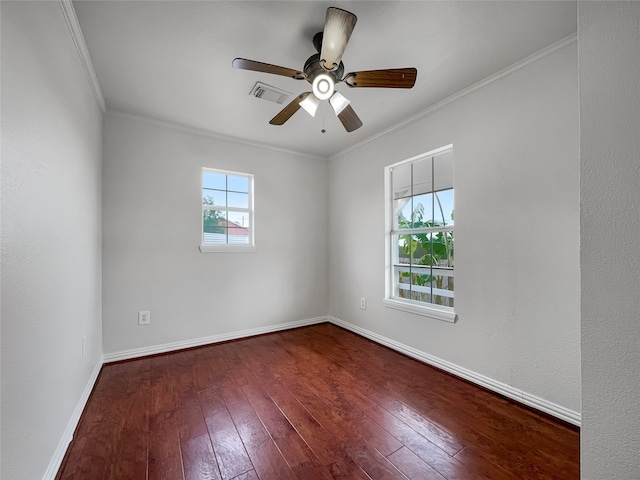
column 420, row 225
column 227, row 211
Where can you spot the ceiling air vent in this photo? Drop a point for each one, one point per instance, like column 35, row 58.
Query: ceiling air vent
column 267, row 92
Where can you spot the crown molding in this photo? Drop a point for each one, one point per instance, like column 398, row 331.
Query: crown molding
column 208, row 133
column 554, row 47
column 83, row 52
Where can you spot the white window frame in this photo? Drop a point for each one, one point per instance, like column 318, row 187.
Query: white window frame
column 438, row 312
column 225, row 247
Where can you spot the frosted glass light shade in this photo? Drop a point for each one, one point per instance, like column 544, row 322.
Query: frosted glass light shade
column 338, row 102
column 310, row 104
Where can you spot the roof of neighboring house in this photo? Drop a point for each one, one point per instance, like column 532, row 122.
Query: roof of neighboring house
column 234, row 228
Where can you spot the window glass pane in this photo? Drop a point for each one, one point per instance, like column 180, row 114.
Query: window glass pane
column 421, row 248
column 423, row 210
column 444, row 207
column 238, row 220
column 214, row 197
column 213, row 221
column 404, row 244
column 438, row 250
column 238, row 184
column 238, row 200
column 414, row 284
column 216, row 238
column 214, row 180
column 238, row 239
column 402, row 213
column 440, row 285
column 443, row 171
column 401, row 181
column 403, row 284
column 421, row 285
column 422, row 177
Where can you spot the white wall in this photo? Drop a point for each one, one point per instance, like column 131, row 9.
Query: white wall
column 516, row 178
column 609, row 45
column 51, row 235
column 152, row 222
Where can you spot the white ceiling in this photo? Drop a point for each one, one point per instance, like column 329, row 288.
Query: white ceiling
column 171, row 60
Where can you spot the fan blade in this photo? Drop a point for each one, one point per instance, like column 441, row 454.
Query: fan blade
column 286, row 113
column 349, row 119
column 392, row 78
column 244, row 64
column 338, row 26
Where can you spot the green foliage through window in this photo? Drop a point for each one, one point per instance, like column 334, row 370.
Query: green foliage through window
column 211, row 219
column 430, row 249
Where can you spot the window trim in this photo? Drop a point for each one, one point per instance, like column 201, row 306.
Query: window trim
column 431, row 310
column 226, row 247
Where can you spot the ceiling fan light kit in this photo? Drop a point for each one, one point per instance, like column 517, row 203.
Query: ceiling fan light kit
column 338, row 102
column 323, row 86
column 310, row 104
column 324, row 70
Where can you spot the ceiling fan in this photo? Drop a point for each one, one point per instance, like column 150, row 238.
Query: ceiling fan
column 325, row 69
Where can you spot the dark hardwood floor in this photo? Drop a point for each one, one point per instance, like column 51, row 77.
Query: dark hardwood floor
column 312, row 403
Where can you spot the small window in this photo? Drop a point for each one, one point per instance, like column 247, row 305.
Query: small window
column 227, row 211
column 419, row 226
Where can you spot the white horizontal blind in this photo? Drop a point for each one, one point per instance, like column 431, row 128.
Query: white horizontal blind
column 222, row 239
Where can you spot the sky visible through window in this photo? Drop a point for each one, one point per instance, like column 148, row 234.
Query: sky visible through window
column 446, row 201
column 229, row 191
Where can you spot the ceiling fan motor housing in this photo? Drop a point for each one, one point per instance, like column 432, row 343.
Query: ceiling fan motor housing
column 313, row 68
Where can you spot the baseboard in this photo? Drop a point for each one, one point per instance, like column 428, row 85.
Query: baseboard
column 61, row 450
column 197, row 342
column 550, row 408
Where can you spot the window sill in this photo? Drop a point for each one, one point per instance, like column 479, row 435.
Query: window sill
column 227, row 248
column 445, row 314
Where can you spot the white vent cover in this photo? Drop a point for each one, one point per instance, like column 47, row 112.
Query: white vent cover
column 267, row 92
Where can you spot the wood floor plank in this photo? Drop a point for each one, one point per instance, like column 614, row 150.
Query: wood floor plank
column 189, row 415
column 266, row 458
column 250, row 475
column 432, row 432
column 229, row 450
column 447, row 466
column 296, row 452
column 316, row 403
column 332, row 414
column 99, row 453
column 358, row 448
column 165, row 456
column 199, row 460
column 413, row 466
column 321, row 442
column 132, row 450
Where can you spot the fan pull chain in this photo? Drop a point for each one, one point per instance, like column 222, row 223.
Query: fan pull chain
column 324, row 111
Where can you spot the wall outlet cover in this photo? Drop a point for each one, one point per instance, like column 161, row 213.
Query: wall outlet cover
column 144, row 317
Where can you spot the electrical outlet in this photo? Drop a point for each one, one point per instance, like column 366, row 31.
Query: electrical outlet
column 363, row 303
column 144, row 317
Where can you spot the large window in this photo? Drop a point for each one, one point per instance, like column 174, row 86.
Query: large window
column 419, row 221
column 227, row 211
